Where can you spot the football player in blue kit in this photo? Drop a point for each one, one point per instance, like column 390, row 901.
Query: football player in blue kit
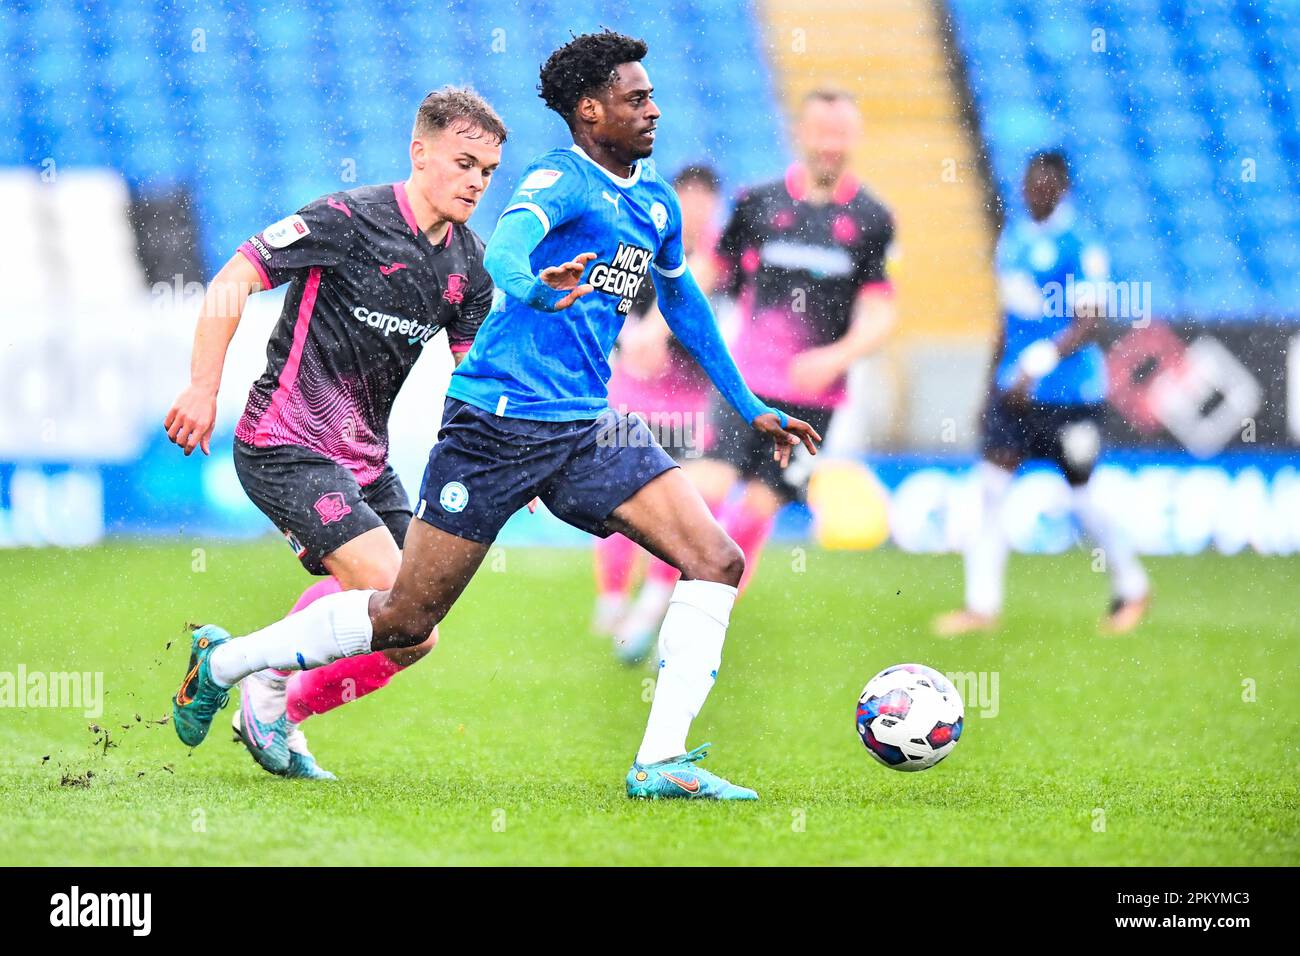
column 1046, row 396
column 527, row 415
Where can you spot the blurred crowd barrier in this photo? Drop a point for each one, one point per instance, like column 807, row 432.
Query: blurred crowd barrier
column 83, row 453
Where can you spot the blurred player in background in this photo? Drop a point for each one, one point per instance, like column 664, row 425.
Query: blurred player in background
column 654, row 377
column 527, row 414
column 374, row 273
column 1046, row 394
column 805, row 259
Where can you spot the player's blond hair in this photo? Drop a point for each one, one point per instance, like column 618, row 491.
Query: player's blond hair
column 460, row 107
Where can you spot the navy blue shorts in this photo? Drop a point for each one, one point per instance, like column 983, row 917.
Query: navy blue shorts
column 1069, row 436
column 485, row 467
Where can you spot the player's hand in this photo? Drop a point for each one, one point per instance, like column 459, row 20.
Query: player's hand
column 532, row 505
column 192, row 417
column 785, row 439
column 568, row 276
column 815, row 370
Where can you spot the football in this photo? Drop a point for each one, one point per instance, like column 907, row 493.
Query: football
column 909, row 717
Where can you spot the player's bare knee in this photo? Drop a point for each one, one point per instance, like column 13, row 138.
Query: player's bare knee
column 418, row 628
column 722, row 562
column 381, row 581
column 424, row 647
column 378, row 576
column 369, row 562
column 734, row 567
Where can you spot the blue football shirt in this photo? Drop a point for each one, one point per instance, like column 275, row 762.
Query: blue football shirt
column 554, row 366
column 1040, row 265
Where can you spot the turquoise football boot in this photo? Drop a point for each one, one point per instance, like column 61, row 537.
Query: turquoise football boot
column 199, row 697
column 680, row 778
column 266, row 741
column 303, row 766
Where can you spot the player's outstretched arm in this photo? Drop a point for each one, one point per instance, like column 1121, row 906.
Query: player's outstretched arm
column 506, row 260
column 691, row 319
column 193, row 415
column 873, row 321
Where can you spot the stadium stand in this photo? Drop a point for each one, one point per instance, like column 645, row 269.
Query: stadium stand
column 263, row 109
column 1182, row 127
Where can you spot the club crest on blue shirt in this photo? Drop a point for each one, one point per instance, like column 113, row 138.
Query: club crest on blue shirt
column 453, row 497
column 659, row 213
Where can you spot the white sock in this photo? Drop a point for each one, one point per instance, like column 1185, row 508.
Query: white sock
column 647, row 611
column 690, row 645
column 986, row 552
column 1128, row 579
column 265, row 692
column 337, row 625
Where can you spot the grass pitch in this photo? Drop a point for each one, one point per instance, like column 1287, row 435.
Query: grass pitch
column 1177, row 745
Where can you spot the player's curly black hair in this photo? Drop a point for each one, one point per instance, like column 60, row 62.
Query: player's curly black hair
column 584, row 65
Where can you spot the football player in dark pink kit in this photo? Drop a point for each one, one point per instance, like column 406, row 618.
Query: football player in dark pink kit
column 374, row 274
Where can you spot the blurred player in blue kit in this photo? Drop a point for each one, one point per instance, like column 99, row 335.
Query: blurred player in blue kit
column 1046, row 396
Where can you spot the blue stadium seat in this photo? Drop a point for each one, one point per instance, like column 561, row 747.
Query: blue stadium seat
column 263, row 116
column 1183, row 133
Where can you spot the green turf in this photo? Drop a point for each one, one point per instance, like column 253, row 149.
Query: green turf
column 510, row 743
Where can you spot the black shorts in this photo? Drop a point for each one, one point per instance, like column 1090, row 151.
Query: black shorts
column 485, row 467
column 736, row 442
column 316, row 502
column 1069, row 436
